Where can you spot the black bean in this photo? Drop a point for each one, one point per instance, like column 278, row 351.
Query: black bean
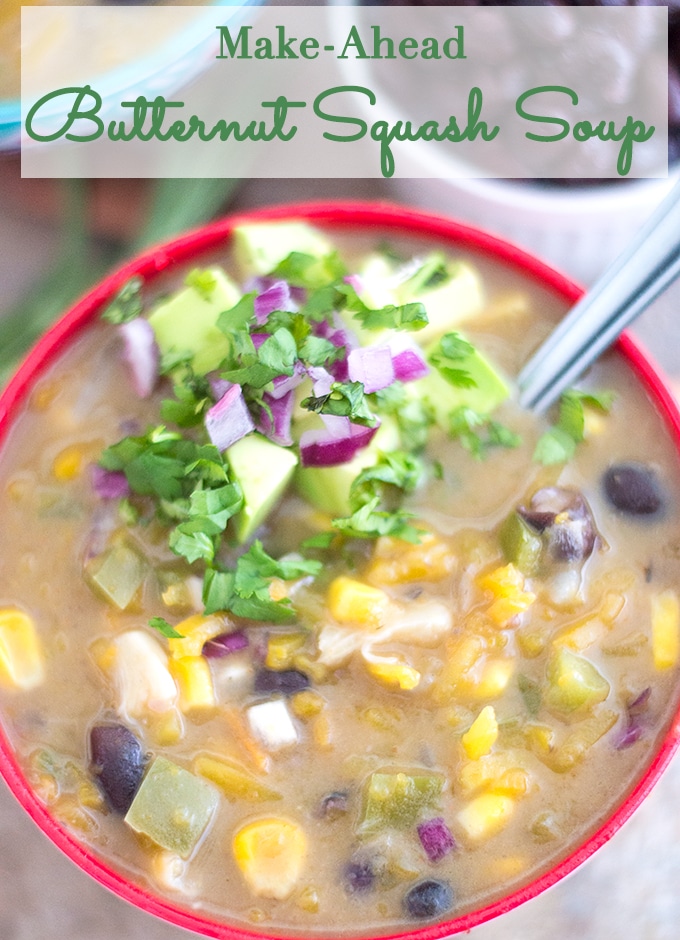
column 334, row 805
column 359, row 876
column 118, row 763
column 428, row 899
column 285, row 681
column 565, row 521
column 633, row 488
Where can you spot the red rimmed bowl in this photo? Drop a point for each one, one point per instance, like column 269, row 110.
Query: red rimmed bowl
column 338, row 217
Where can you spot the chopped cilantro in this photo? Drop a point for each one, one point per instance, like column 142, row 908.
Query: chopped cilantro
column 317, row 351
column 165, row 628
column 451, row 350
column 558, row 443
column 345, row 399
column 127, row 304
column 303, row 270
column 192, row 399
column 478, row 433
column 276, row 356
column 245, row 590
column 411, row 316
column 202, row 281
column 398, row 470
column 414, row 416
column 370, row 522
column 431, row 273
column 321, row 540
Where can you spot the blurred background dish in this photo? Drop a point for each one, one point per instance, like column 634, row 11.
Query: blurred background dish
column 169, row 63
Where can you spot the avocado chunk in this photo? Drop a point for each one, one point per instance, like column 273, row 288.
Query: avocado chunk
column 327, row 488
column 263, row 471
column 450, row 290
column 443, row 397
column 261, row 246
column 187, row 322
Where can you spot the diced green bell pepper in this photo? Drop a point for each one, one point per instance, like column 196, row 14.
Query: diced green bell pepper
column 573, row 684
column 521, row 545
column 397, row 799
column 118, row 574
column 173, row 807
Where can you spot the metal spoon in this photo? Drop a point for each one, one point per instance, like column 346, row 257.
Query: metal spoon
column 638, row 275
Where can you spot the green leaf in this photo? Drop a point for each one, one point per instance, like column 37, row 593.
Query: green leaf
column 316, row 351
column 371, row 522
column 303, row 270
column 192, row 543
column 478, row 433
column 244, row 591
column 165, row 628
column 127, row 303
column 451, row 350
column 554, row 446
column 398, row 470
column 558, row 444
column 412, row 316
column 414, row 417
column 322, row 540
column 345, row 399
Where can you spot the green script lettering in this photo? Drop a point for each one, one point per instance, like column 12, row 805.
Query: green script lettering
column 78, row 112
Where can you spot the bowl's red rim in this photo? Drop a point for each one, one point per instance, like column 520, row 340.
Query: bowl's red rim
column 334, row 215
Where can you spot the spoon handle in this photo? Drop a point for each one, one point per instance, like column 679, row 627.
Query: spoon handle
column 642, row 271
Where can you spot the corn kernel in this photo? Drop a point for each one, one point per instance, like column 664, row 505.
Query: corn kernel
column 196, row 631
column 354, row 602
column 270, row 853
column 193, row 676
column 308, row 900
column 321, row 731
column 494, row 679
column 507, row 586
column 507, row 867
column 399, row 562
column 482, row 734
column 485, row 815
column 307, row 704
column 394, row 673
column 281, row 649
column 167, row 729
column 21, row 656
column 583, row 634
column 68, row 464
column 502, row 772
column 665, row 629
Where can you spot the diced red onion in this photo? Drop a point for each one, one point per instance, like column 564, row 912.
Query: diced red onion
column 283, row 384
column 225, row 644
column 435, row 837
column 275, row 297
column 322, row 380
column 218, row 386
column 326, row 448
column 109, row 484
column 640, row 703
column 407, row 358
column 275, row 419
column 229, row 420
column 258, row 339
column 629, row 735
column 141, row 353
column 355, row 281
column 260, row 284
column 371, row 365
